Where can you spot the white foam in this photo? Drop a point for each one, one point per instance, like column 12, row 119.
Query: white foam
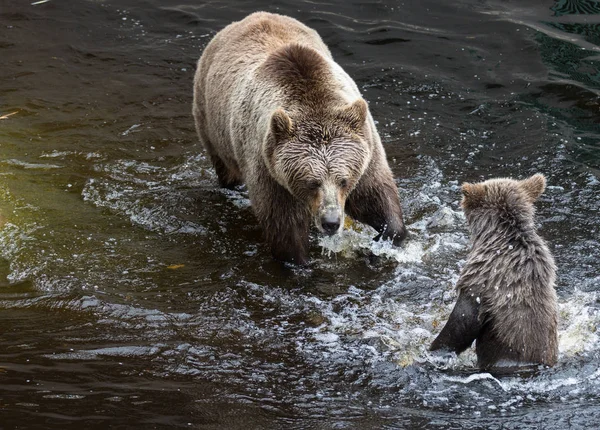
column 473, row 377
column 139, row 190
column 117, row 351
column 327, row 337
column 349, row 242
column 32, row 166
column 131, row 129
column 578, row 324
column 57, row 154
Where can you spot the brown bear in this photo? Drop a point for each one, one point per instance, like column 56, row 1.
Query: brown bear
column 275, row 111
column 506, row 297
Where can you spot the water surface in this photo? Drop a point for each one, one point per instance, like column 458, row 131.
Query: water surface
column 136, row 293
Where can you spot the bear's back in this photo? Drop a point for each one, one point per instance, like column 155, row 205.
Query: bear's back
column 244, row 44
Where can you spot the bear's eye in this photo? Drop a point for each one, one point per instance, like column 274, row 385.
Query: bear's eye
column 313, row 185
column 344, row 183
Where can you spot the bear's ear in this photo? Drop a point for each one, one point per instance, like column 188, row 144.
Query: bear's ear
column 355, row 114
column 281, row 125
column 534, row 186
column 473, row 194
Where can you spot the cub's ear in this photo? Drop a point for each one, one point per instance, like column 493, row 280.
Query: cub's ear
column 355, row 114
column 534, row 186
column 473, row 194
column 281, row 125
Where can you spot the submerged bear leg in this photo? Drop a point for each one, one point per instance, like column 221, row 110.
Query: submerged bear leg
column 228, row 178
column 517, row 336
column 375, row 202
column 291, row 246
column 285, row 220
column 490, row 350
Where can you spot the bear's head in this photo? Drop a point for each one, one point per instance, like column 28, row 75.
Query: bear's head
column 502, row 199
column 319, row 159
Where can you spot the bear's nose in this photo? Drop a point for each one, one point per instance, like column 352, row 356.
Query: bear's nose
column 330, row 223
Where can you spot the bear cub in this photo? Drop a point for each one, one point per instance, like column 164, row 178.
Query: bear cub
column 506, row 297
column 275, row 111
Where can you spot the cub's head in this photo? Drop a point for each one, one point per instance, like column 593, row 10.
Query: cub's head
column 508, row 198
column 319, row 160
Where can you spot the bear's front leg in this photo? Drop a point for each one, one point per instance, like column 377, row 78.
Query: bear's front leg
column 284, row 219
column 463, row 325
column 375, row 202
column 289, row 246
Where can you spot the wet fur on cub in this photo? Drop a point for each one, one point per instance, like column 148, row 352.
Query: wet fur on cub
column 275, row 111
column 506, row 297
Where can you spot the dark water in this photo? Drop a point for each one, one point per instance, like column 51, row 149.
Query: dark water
column 134, row 293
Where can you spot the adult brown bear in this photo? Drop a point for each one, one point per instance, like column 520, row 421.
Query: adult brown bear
column 275, row 111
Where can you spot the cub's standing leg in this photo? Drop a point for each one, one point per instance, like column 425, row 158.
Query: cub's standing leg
column 462, row 328
column 375, row 202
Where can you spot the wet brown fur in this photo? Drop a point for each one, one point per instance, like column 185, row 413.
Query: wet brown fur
column 275, row 111
column 507, row 300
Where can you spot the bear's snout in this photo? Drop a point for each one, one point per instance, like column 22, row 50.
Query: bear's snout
column 330, row 215
column 331, row 222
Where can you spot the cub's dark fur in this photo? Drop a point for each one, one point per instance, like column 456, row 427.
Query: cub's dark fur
column 507, row 300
